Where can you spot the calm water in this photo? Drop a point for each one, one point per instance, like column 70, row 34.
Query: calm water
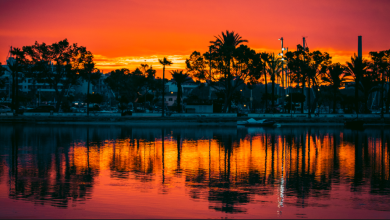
column 193, row 172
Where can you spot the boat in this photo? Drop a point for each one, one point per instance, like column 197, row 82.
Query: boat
column 253, row 123
column 357, row 124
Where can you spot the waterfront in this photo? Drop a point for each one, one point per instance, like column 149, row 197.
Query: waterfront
column 73, row 171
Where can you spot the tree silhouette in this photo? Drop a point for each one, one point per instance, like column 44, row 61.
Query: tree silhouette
column 274, row 68
column 149, row 74
column 357, row 68
column 126, row 84
column 57, row 65
column 296, row 62
column 232, row 66
column 164, row 62
column 265, row 58
column 336, row 78
column 15, row 65
column 90, row 74
column 2, row 81
column 369, row 83
column 381, row 65
column 224, row 47
column 228, row 41
column 315, row 68
column 180, row 78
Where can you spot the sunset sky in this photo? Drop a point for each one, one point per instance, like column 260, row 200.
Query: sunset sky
column 125, row 33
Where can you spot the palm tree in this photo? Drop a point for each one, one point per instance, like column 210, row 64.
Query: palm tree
column 265, row 57
column 15, row 66
column 179, row 78
column 164, row 62
column 228, row 39
column 89, row 74
column 336, row 78
column 357, row 68
column 225, row 45
column 2, row 70
column 274, row 69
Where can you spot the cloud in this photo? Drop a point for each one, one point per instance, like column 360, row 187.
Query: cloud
column 132, row 62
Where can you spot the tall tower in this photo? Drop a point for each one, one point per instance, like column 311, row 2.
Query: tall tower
column 360, row 46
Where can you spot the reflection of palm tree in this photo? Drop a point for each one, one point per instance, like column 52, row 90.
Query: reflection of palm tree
column 180, row 78
column 335, row 77
column 178, row 140
column 37, row 184
column 163, row 155
column 164, row 62
column 223, row 192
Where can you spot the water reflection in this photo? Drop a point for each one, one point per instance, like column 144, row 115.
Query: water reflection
column 228, row 167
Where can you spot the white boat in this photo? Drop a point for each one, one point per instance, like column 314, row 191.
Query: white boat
column 253, row 123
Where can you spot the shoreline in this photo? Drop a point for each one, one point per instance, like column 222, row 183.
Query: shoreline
column 181, row 121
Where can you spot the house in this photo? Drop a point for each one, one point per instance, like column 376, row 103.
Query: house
column 170, row 98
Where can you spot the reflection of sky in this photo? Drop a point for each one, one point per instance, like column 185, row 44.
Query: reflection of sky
column 212, row 171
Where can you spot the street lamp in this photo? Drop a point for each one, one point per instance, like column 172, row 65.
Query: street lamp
column 282, row 55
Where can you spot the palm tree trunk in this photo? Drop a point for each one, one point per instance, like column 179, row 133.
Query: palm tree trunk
column 60, row 96
column 178, row 98
column 163, row 92
column 303, row 93
column 226, row 105
column 356, row 96
column 334, row 100
column 88, row 98
column 309, row 101
column 13, row 96
column 382, row 88
column 266, row 90
column 388, row 93
column 273, row 91
column 388, row 100
column 16, row 92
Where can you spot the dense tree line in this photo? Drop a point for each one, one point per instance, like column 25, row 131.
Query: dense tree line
column 60, row 65
column 228, row 66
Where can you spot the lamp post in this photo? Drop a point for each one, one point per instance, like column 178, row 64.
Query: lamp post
column 283, row 73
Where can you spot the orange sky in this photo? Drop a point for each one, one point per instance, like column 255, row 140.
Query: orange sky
column 124, row 33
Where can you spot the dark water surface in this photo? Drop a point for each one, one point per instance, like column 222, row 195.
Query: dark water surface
column 193, row 172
